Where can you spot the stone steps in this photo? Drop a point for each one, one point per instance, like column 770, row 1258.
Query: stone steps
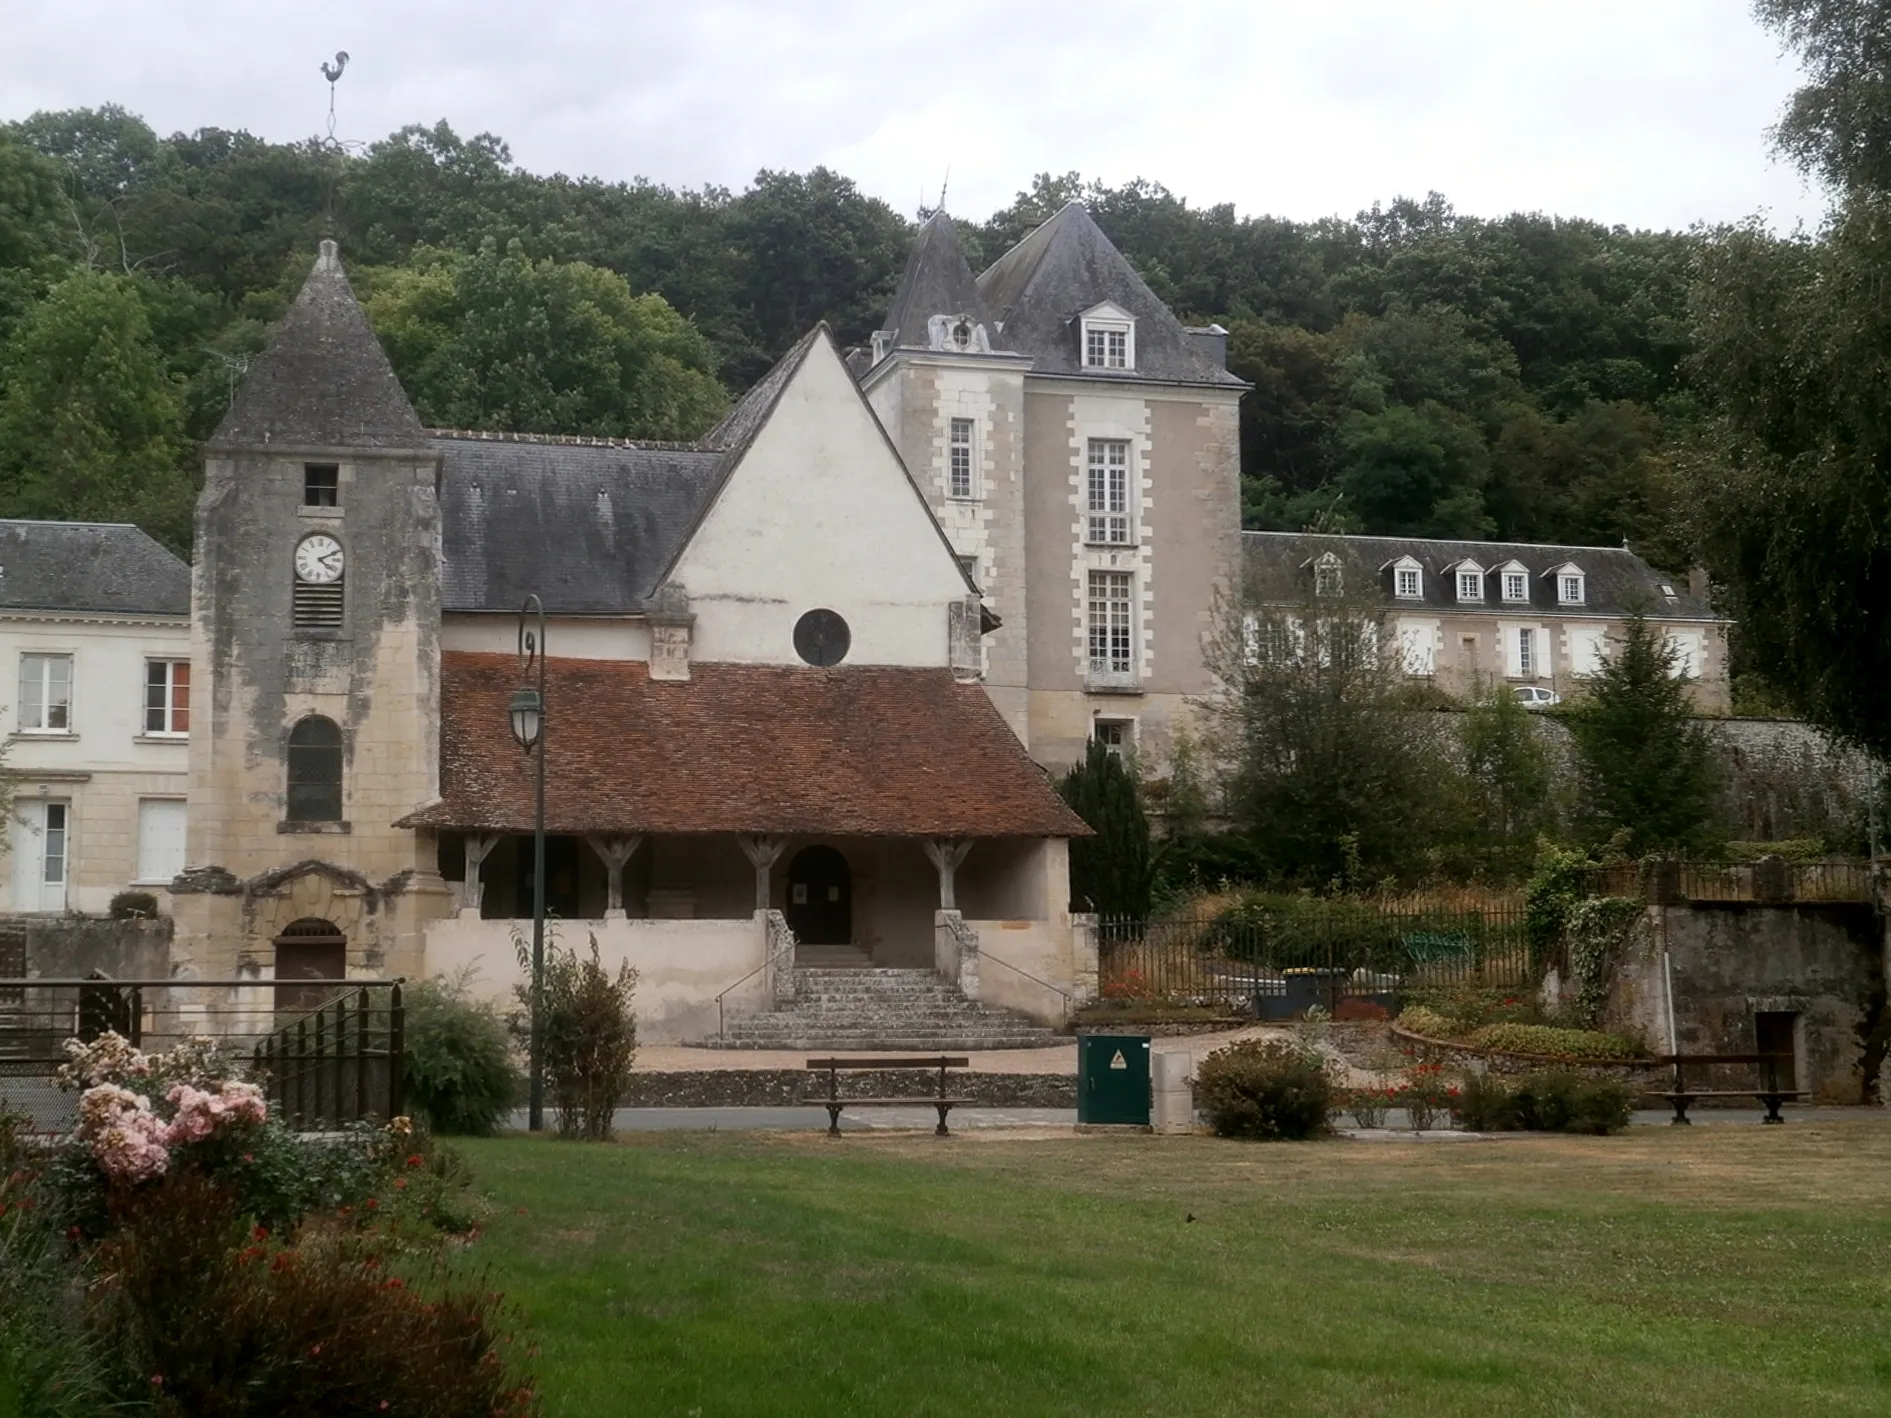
column 872, row 1009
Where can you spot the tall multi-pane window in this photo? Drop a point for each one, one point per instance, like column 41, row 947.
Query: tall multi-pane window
column 167, row 696
column 1108, row 481
column 315, row 754
column 1105, row 347
column 959, row 466
column 1408, row 585
column 1516, row 586
column 1571, row 590
column 1526, row 654
column 45, row 694
column 1109, row 625
column 1470, row 586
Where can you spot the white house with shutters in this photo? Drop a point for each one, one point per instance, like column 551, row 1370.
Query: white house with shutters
column 95, row 647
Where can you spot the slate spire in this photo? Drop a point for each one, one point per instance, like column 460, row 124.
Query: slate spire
column 938, row 282
column 324, row 381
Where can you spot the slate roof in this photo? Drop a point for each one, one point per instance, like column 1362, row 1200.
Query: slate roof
column 938, row 281
column 89, row 566
column 324, row 380
column 1067, row 266
column 588, row 524
column 858, row 751
column 1615, row 579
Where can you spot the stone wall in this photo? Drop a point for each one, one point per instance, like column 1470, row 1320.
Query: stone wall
column 72, row 947
column 1823, row 963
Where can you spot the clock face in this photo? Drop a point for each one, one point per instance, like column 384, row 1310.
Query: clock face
column 318, row 559
column 822, row 639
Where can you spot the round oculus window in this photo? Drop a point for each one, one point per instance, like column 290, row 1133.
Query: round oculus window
column 821, row 638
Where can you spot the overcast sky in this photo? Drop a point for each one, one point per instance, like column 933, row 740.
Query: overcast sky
column 1644, row 112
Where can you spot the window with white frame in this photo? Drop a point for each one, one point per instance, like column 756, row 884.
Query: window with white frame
column 1106, row 344
column 1118, row 736
column 1327, row 577
column 1569, row 590
column 167, row 697
column 1526, row 654
column 1109, row 620
column 1516, row 586
column 1108, row 491
column 959, row 481
column 1470, row 585
column 45, row 694
column 1408, row 583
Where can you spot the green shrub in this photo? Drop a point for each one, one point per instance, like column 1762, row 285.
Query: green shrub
column 1421, row 1019
column 1554, row 1101
column 48, row 1364
column 459, row 1074
column 1552, row 1042
column 589, row 1036
column 1266, row 1089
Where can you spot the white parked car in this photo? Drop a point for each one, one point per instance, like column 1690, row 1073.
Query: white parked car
column 1534, row 696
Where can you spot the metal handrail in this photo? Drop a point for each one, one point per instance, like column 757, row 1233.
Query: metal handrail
column 51, row 982
column 1068, row 998
column 788, row 949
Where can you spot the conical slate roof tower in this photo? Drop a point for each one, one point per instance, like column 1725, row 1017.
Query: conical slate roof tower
column 324, row 381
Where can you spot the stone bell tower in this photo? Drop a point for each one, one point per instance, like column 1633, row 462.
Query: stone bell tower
column 315, row 641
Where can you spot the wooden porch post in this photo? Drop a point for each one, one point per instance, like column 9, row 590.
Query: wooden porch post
column 945, row 854
column 615, row 852
column 479, row 846
column 762, row 852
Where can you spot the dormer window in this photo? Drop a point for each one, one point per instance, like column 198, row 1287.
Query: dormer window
column 1470, row 581
column 1109, row 338
column 1326, row 576
column 1514, row 581
column 1571, row 585
column 1408, row 579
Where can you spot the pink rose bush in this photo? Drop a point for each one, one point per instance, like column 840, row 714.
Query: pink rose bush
column 120, row 1124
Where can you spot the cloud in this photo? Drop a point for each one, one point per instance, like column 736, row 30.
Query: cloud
column 1649, row 114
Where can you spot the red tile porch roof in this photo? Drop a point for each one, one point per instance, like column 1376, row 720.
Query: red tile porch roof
column 854, row 751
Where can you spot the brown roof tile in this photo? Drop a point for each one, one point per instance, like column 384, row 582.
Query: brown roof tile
column 855, row 751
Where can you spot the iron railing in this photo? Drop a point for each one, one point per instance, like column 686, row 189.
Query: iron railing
column 320, row 1068
column 1279, row 959
column 1673, row 881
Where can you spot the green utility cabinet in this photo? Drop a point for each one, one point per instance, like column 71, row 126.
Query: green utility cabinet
column 1113, row 1079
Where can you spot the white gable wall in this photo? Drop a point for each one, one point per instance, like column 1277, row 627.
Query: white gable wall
column 820, row 513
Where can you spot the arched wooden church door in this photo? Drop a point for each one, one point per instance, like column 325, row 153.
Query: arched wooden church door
column 309, row 949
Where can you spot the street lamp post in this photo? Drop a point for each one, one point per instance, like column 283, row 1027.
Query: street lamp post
column 528, row 717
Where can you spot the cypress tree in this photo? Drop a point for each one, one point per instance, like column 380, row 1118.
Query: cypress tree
column 1113, row 871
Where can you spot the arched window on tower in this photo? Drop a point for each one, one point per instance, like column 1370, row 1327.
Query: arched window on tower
column 315, row 770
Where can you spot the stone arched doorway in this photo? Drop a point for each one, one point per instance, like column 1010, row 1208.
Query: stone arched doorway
column 309, row 949
column 820, row 897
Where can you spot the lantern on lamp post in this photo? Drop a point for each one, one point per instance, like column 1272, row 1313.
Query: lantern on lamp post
column 527, row 713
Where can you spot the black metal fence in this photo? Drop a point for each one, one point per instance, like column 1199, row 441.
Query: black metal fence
column 340, row 1063
column 1279, row 958
column 319, row 1068
column 1769, row 881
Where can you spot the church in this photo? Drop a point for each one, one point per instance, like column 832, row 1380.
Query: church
column 806, row 679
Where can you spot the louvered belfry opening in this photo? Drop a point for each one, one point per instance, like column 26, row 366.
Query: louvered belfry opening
column 317, row 607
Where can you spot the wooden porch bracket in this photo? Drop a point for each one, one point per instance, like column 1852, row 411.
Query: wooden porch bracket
column 763, row 852
column 479, row 846
column 615, row 853
column 945, row 854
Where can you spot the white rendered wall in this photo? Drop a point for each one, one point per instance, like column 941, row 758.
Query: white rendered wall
column 681, row 966
column 820, row 513
column 106, row 764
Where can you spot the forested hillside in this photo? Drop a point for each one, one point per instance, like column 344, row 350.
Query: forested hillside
column 1415, row 370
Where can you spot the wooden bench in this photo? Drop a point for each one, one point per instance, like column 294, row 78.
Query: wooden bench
column 1769, row 1093
column 940, row 1099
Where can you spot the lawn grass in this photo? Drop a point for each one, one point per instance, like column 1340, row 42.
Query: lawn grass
column 1721, row 1270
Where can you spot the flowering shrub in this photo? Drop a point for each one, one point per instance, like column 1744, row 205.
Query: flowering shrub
column 1370, row 1105
column 1128, row 986
column 120, row 1124
column 1426, row 1096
